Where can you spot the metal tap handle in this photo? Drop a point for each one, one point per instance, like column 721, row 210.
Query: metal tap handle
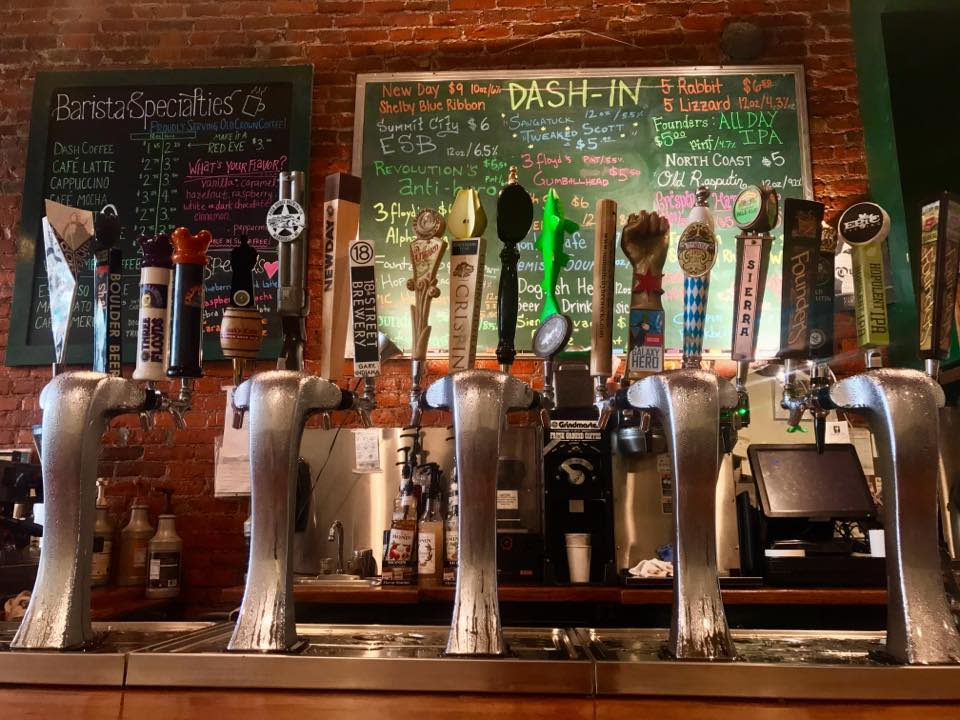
column 153, row 322
column 644, row 240
column 802, row 222
column 287, row 224
column 550, row 244
column 279, row 402
column 514, row 218
column 108, row 294
column 939, row 253
column 186, row 313
column 696, row 254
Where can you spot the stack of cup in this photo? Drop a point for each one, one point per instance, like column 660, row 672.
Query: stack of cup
column 578, row 556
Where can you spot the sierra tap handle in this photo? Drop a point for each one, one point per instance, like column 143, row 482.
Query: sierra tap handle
column 107, row 293
column 601, row 325
column 864, row 226
column 426, row 253
column 186, row 315
column 939, row 253
column 696, row 254
column 550, row 244
column 514, row 218
column 466, row 222
column 644, row 240
column 153, row 323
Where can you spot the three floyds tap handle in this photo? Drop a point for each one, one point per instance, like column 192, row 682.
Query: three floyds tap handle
column 108, row 293
column 644, row 240
column 514, row 218
column 553, row 231
column 466, row 222
column 937, row 286
column 426, row 253
column 241, row 329
column 153, row 323
column 696, row 254
column 864, row 226
column 287, row 224
column 186, row 312
column 802, row 223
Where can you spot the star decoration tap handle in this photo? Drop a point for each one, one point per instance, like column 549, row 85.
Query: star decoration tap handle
column 550, row 244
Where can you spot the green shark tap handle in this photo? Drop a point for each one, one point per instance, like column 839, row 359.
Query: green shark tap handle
column 550, row 244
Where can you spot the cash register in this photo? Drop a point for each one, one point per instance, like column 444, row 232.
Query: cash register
column 809, row 520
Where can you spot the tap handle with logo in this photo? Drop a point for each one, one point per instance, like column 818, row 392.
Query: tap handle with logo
column 514, row 218
column 644, row 240
column 821, row 324
column 696, row 254
column 864, row 226
column 186, row 312
column 937, row 287
column 466, row 222
column 241, row 329
column 553, row 231
column 802, row 222
column 153, row 323
column 287, row 224
column 107, row 292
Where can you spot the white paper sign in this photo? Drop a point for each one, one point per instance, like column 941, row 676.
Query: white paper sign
column 838, row 432
column 366, row 445
column 232, row 474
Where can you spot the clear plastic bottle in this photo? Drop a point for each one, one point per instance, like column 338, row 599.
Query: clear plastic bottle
column 134, row 539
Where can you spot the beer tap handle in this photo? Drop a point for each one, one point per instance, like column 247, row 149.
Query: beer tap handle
column 864, row 226
column 426, row 253
column 108, row 293
column 287, row 224
column 601, row 325
column 644, row 240
column 466, row 222
column 696, row 254
column 549, row 340
column 366, row 350
column 550, row 243
column 67, row 237
column 939, row 252
column 186, row 312
column 153, row 322
column 514, row 218
column 821, row 332
column 241, row 328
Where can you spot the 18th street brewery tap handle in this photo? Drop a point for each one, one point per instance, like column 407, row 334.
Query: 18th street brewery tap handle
column 108, row 293
column 644, row 240
column 550, row 244
column 466, row 222
column 939, row 253
column 514, row 218
column 696, row 254
column 426, row 253
column 186, row 315
column 601, row 326
column 153, row 323
column 864, row 226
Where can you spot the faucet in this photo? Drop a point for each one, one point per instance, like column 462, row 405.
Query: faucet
column 77, row 407
column 336, row 535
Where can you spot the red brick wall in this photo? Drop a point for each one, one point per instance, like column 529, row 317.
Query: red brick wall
column 342, row 38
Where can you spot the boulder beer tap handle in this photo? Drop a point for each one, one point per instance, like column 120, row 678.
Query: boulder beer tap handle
column 186, row 312
column 554, row 229
column 696, row 253
column 939, row 253
column 366, row 351
column 341, row 223
column 426, row 253
column 108, row 293
column 644, row 240
column 514, row 218
column 153, row 325
column 466, row 222
column 864, row 226
column 287, row 224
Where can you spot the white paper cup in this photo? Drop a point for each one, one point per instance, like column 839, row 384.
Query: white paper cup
column 576, row 539
column 578, row 559
column 877, row 546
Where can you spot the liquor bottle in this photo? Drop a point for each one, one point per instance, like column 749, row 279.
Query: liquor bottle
column 103, row 532
column 430, row 529
column 164, row 555
column 399, row 558
column 452, row 537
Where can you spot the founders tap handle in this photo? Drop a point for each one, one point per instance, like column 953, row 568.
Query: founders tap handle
column 696, row 254
column 802, row 220
column 153, row 323
column 108, row 293
column 550, row 244
column 601, row 325
column 466, row 222
column 939, row 253
column 514, row 218
column 864, row 226
column 644, row 240
column 186, row 314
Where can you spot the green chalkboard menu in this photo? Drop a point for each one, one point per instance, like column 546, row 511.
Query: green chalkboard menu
column 646, row 138
column 200, row 148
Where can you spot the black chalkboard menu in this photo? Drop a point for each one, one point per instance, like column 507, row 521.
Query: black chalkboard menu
column 646, row 138
column 200, row 148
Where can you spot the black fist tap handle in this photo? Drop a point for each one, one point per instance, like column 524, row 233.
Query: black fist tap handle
column 821, row 311
column 243, row 258
column 514, row 218
column 186, row 316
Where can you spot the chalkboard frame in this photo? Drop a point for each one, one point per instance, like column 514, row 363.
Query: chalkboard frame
column 19, row 352
column 803, row 125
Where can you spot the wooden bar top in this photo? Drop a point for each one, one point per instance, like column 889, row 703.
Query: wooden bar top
column 400, row 595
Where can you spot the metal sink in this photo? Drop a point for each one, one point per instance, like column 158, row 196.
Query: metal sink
column 371, row 657
column 335, row 581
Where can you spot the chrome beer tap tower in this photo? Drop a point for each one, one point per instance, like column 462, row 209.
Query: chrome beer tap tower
column 77, row 407
column 280, row 401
